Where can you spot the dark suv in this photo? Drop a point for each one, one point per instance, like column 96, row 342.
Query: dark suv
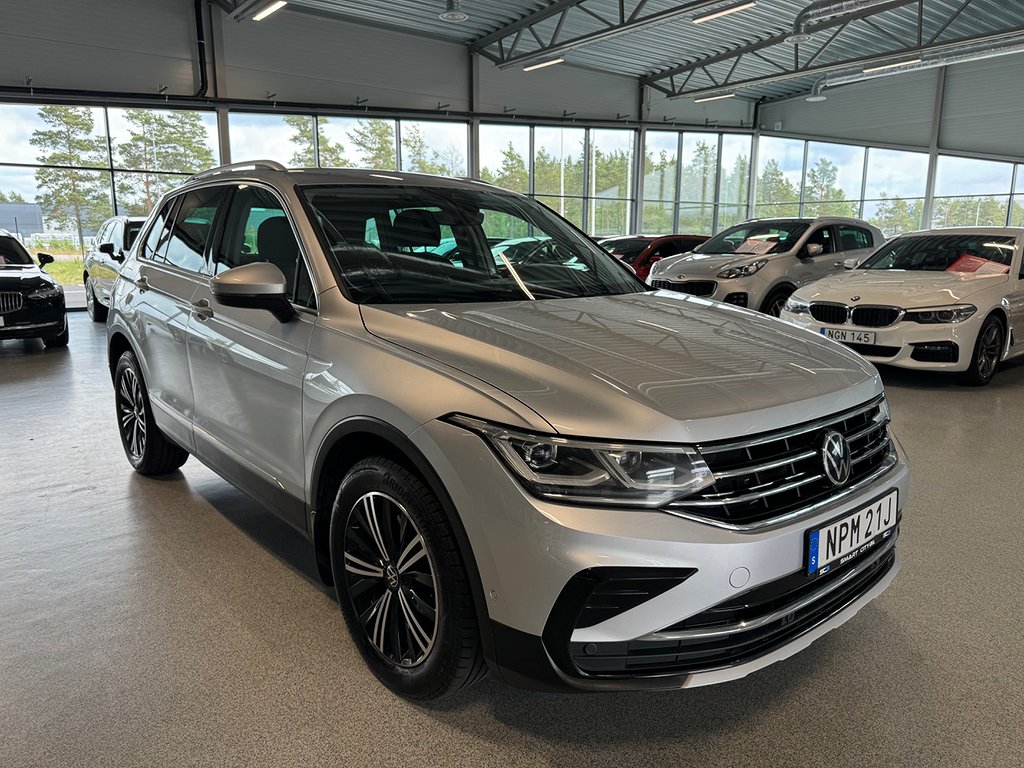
column 31, row 302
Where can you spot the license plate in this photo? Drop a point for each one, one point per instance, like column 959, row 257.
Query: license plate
column 850, row 337
column 851, row 536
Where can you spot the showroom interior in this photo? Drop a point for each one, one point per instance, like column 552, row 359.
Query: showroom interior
column 172, row 619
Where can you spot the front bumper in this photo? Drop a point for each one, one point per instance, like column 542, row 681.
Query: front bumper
column 34, row 319
column 532, row 554
column 747, row 292
column 939, row 347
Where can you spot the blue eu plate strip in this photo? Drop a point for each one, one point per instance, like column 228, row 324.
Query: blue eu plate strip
column 812, row 553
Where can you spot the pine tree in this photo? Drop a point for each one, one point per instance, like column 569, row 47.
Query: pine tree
column 11, row 197
column 69, row 197
column 776, row 194
column 375, row 141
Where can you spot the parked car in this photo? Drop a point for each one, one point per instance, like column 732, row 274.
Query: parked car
column 642, row 251
column 114, row 238
column 31, row 302
column 759, row 263
column 542, row 468
column 944, row 300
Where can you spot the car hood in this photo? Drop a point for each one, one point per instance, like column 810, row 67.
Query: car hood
column 901, row 288
column 705, row 264
column 20, row 278
column 657, row 366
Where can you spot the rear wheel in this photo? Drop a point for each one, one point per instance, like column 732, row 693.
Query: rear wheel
column 776, row 301
column 402, row 583
column 988, row 351
column 97, row 312
column 147, row 448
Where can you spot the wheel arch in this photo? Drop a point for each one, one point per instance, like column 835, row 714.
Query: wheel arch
column 117, row 346
column 784, row 284
column 356, row 438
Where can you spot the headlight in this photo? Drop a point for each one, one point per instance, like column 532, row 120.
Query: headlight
column 594, row 472
column 932, row 315
column 743, row 271
column 797, row 306
column 49, row 292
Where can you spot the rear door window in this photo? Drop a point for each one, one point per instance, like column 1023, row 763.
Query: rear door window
column 854, row 238
column 156, row 240
column 193, row 224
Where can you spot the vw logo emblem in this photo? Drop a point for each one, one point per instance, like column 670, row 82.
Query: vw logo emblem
column 391, row 574
column 835, row 457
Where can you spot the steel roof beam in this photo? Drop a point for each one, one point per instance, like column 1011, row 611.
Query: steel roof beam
column 624, row 23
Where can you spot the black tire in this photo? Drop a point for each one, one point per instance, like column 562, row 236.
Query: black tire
column 97, row 312
column 394, row 558
column 147, row 448
column 988, row 351
column 60, row 340
column 776, row 301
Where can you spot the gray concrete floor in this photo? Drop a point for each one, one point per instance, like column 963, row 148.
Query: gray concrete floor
column 174, row 622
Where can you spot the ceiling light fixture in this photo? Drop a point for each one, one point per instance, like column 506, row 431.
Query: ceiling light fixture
column 720, row 96
column 453, row 12
column 273, row 7
column 543, row 64
column 742, row 6
column 883, row 67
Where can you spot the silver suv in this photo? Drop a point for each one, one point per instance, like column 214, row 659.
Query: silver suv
column 759, row 263
column 527, row 463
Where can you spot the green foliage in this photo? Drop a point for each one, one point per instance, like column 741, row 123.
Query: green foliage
column 825, row 196
column 774, row 188
column 11, row 197
column 513, row 173
column 65, row 271
column 894, row 215
column 70, row 198
column 302, row 138
column 375, row 141
column 969, row 212
column 159, row 141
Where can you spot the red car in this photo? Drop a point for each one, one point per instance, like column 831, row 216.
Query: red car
column 641, row 251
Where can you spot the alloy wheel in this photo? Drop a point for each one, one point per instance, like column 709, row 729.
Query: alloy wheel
column 131, row 411
column 90, row 298
column 391, row 579
column 989, row 351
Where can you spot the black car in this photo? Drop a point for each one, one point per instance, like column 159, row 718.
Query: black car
column 102, row 263
column 31, row 302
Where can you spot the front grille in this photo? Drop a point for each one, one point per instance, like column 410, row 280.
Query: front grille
column 875, row 317
column 667, row 285
column 10, row 302
column 769, row 475
column 833, row 314
column 738, row 643
column 873, row 350
column 692, row 287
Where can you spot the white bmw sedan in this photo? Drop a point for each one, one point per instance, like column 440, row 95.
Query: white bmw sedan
column 945, row 300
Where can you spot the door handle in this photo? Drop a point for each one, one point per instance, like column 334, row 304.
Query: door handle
column 202, row 309
column 142, row 283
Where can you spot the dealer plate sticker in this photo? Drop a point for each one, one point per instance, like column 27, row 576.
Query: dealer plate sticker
column 849, row 337
column 851, row 536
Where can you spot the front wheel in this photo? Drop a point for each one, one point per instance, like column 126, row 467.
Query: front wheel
column 776, row 301
column 147, row 448
column 988, row 351
column 97, row 312
column 60, row 340
column 402, row 583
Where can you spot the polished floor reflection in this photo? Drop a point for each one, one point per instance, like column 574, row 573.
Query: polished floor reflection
column 173, row 622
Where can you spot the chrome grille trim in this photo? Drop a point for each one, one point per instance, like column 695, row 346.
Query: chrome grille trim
column 769, row 465
column 768, row 618
column 793, row 515
column 755, row 496
column 810, row 426
column 10, row 301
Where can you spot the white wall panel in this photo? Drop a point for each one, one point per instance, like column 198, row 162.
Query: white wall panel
column 984, row 107
column 554, row 90
column 888, row 110
column 120, row 45
column 307, row 58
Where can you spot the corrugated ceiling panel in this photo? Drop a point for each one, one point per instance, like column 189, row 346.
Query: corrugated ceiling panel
column 980, row 116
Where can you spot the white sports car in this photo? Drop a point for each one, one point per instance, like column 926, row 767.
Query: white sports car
column 947, row 300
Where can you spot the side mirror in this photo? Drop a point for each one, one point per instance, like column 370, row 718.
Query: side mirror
column 851, row 263
column 259, row 285
column 811, row 250
column 44, row 259
column 107, row 248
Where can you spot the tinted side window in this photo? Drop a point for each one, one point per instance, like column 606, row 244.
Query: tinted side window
column 854, row 238
column 257, row 229
column 156, row 240
column 114, row 235
column 823, row 237
column 102, row 234
column 192, row 226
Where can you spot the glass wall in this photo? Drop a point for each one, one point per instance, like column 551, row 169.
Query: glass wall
column 505, row 156
column 971, row 193
column 1017, row 212
column 611, row 182
column 780, row 170
column 661, row 173
column 832, row 185
column 895, row 189
column 433, row 147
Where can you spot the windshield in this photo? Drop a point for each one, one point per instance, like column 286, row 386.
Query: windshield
column 628, row 250
column 12, row 253
column 756, row 237
column 979, row 254
column 415, row 245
